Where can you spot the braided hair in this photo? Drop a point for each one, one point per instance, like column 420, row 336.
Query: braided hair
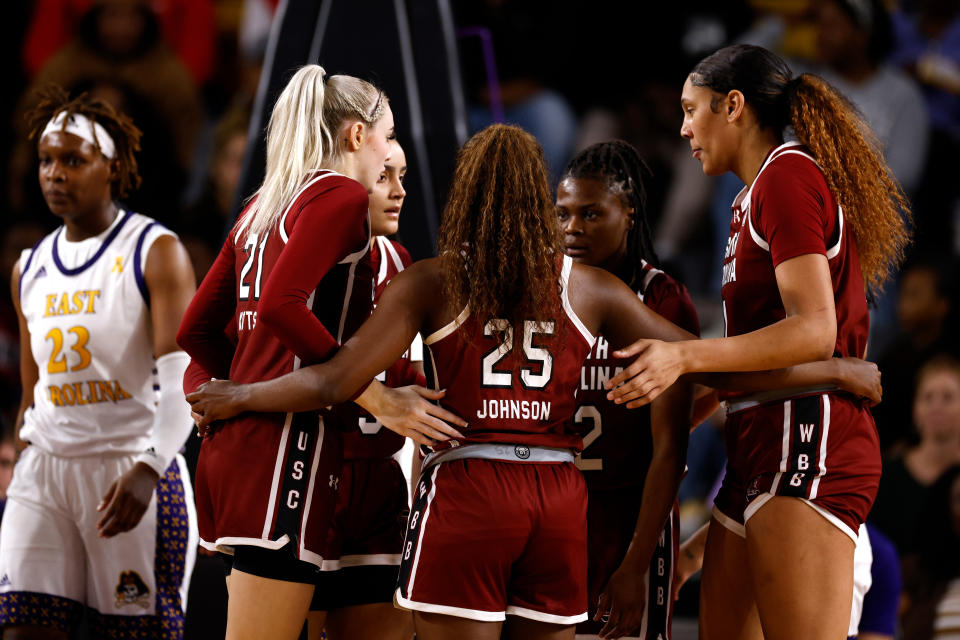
column 125, row 135
column 619, row 165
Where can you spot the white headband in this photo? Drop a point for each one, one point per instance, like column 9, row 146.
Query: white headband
column 83, row 127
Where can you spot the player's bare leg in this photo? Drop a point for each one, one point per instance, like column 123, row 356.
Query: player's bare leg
column 377, row 620
column 519, row 628
column 33, row 632
column 266, row 608
column 728, row 610
column 316, row 620
column 809, row 596
column 437, row 626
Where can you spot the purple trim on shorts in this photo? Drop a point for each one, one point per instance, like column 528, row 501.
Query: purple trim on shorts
column 40, row 609
column 173, row 535
column 103, row 247
column 119, row 627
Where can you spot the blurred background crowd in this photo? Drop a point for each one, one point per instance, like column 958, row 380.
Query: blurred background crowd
column 573, row 74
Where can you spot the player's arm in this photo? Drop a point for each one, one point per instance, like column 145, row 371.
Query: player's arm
column 328, row 227
column 377, row 344
column 625, row 319
column 201, row 333
column 29, row 373
column 170, row 282
column 859, row 377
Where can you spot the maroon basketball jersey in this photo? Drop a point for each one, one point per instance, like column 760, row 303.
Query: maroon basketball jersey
column 790, row 211
column 370, row 439
column 617, row 442
column 523, row 395
column 340, row 301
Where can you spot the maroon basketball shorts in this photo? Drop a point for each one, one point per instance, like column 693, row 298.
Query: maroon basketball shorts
column 488, row 538
column 611, row 520
column 364, row 542
column 821, row 448
column 265, row 485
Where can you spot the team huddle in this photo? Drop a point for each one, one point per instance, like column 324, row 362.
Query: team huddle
column 549, row 370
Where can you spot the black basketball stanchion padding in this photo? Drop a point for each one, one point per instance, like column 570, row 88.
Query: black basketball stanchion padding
column 408, row 48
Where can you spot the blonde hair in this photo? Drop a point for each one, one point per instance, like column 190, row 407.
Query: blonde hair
column 302, row 137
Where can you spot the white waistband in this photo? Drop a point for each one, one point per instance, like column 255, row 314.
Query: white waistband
column 500, row 451
column 777, row 395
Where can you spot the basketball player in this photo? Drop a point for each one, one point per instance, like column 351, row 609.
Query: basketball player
column 364, row 543
column 601, row 205
column 293, row 278
column 498, row 526
column 803, row 466
column 100, row 513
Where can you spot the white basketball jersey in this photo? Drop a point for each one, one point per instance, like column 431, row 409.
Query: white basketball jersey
column 87, row 310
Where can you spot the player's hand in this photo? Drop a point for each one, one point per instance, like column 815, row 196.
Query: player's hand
column 126, row 500
column 658, row 364
column 622, row 604
column 216, row 400
column 412, row 412
column 861, row 378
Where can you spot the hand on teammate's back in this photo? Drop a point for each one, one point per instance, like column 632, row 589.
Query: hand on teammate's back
column 861, row 378
column 213, row 401
column 126, row 500
column 413, row 413
column 657, row 366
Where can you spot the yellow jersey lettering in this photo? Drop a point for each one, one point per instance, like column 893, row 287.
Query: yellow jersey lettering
column 51, row 306
column 78, row 391
column 77, row 301
column 68, row 395
column 91, row 296
column 55, row 396
column 106, row 391
column 119, row 392
column 64, row 307
column 92, row 388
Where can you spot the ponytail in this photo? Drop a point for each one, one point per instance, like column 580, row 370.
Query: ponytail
column 301, row 137
column 874, row 205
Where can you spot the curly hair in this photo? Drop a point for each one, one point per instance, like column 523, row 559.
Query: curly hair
column 874, row 205
column 125, row 135
column 499, row 241
column 618, row 165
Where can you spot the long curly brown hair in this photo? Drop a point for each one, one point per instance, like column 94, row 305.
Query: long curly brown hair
column 499, row 241
column 874, row 205
column 126, row 136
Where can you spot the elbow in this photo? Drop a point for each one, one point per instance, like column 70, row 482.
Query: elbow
column 270, row 312
column 824, row 340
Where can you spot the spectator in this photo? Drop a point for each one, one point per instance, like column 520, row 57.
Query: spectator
column 927, row 44
column 932, row 574
column 906, row 480
column 854, row 41
column 525, row 37
column 187, row 26
column 924, row 309
column 205, row 222
column 120, row 40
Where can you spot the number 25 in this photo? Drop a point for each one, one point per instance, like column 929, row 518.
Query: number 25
column 536, row 355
